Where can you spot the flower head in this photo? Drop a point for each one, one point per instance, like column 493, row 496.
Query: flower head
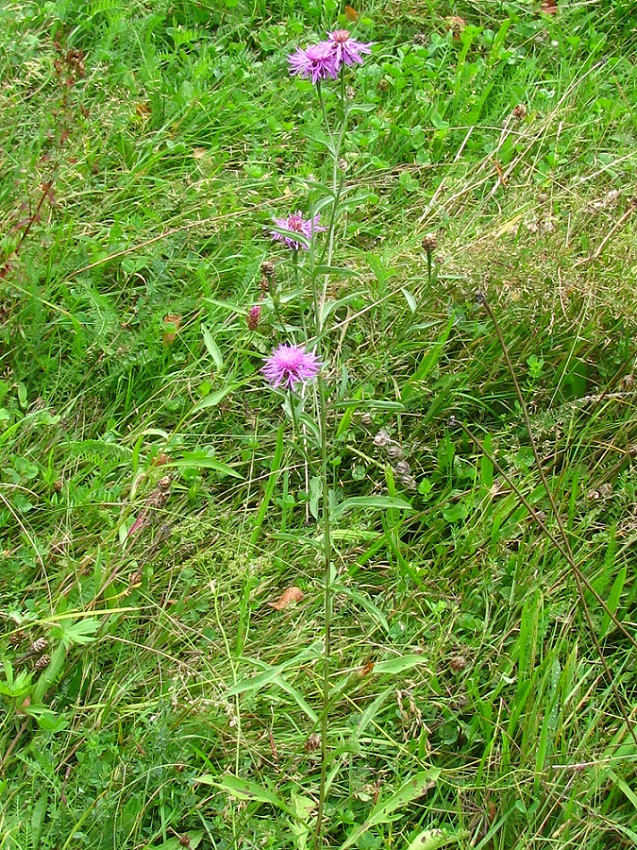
column 290, row 365
column 346, row 49
column 316, row 62
column 297, row 224
column 254, row 314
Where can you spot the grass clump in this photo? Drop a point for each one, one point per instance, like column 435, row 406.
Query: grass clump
column 155, row 499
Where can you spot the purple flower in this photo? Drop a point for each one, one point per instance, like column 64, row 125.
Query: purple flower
column 290, row 365
column 297, row 224
column 316, row 62
column 345, row 49
column 254, row 314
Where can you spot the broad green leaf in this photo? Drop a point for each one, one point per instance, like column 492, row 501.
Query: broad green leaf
column 385, row 810
column 213, row 399
column 212, row 347
column 432, row 839
column 79, row 633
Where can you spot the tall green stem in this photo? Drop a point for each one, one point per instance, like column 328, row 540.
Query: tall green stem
column 327, row 579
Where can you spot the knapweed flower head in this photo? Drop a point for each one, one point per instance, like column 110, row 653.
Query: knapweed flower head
column 317, row 62
column 346, row 50
column 291, row 365
column 254, row 315
column 297, row 224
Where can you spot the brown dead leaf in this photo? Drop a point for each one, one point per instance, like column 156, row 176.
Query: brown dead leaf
column 549, row 7
column 365, row 670
column 289, row 597
column 456, row 24
column 161, row 459
column 172, row 324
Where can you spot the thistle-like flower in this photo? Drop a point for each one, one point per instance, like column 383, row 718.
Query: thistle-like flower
column 297, row 224
column 317, row 62
column 346, row 50
column 291, row 365
column 254, row 314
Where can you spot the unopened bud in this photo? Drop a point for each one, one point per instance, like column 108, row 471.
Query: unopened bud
column 254, row 314
column 267, row 268
column 430, row 242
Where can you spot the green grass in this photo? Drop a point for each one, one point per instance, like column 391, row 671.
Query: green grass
column 464, row 659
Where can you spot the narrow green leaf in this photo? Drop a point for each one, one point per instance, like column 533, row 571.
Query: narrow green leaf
column 400, row 664
column 201, row 460
column 245, row 789
column 38, row 815
column 372, row 503
column 211, row 345
column 409, row 298
column 384, row 811
column 275, row 471
column 613, row 601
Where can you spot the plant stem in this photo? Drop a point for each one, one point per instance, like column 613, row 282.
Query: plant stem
column 327, row 578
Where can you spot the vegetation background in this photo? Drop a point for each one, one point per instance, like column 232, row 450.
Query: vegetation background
column 150, row 694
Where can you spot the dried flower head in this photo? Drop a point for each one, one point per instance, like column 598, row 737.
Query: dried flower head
column 430, row 242
column 267, row 268
column 394, row 451
column 291, row 365
column 520, row 111
column 39, row 645
column 296, row 224
column 408, row 481
column 382, row 438
column 313, row 742
column 17, row 638
column 254, row 314
column 367, row 419
column 42, row 662
column 317, row 62
column 402, row 468
column 346, row 49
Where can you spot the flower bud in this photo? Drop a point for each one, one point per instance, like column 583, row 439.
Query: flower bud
column 254, row 314
column 430, row 242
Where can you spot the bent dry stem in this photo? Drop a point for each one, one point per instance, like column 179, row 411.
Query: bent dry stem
column 580, row 580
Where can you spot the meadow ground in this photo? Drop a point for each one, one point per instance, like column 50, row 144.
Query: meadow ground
column 154, row 499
